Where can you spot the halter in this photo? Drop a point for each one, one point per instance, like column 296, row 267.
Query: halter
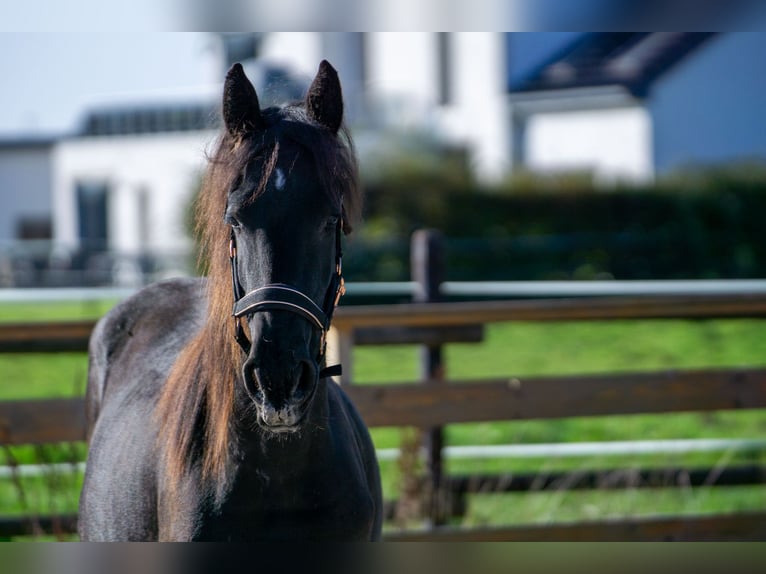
column 288, row 298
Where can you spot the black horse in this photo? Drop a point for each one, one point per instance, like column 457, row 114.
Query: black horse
column 212, row 424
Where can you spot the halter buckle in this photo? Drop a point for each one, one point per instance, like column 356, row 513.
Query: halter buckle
column 322, row 345
column 341, row 292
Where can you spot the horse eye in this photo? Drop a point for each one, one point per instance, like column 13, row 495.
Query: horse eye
column 229, row 219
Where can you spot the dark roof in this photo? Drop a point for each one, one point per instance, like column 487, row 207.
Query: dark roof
column 142, row 119
column 26, row 141
column 631, row 59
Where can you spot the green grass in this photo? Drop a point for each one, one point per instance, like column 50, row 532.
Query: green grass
column 37, row 376
column 572, row 506
column 52, row 493
column 525, row 349
column 52, row 311
column 32, row 375
column 510, row 349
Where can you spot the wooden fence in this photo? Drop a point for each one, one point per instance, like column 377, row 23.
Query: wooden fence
column 432, row 402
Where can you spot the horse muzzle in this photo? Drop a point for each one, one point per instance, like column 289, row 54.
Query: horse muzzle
column 282, row 397
column 284, row 420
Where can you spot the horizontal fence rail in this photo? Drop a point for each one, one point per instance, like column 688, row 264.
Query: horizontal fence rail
column 424, row 405
column 62, row 294
column 746, row 526
column 613, row 288
column 73, row 335
column 555, row 397
column 42, row 421
column 599, row 448
column 642, row 288
column 587, row 309
column 59, row 524
column 735, row 475
column 66, row 336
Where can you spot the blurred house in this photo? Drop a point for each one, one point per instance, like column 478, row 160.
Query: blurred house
column 447, row 88
column 123, row 185
column 630, row 106
column 109, row 202
column 113, row 195
column 618, row 105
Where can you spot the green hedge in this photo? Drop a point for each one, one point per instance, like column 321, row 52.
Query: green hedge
column 711, row 227
column 698, row 225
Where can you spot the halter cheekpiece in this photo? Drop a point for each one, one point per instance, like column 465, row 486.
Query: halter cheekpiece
column 285, row 297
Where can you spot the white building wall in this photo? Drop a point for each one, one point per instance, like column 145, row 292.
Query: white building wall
column 399, row 76
column 397, row 70
column 301, row 52
column 403, row 65
column 614, row 144
column 165, row 166
column 478, row 116
column 298, row 51
column 402, row 75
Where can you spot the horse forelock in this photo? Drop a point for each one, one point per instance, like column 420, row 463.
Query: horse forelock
column 333, row 154
column 196, row 409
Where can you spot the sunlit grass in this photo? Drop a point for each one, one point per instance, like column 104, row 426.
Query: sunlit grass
column 571, row 506
column 54, row 311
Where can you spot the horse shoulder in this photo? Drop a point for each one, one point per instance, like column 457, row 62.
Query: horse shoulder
column 144, row 331
column 366, row 450
column 131, row 351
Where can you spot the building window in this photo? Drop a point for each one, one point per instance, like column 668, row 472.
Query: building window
column 34, row 227
column 92, row 216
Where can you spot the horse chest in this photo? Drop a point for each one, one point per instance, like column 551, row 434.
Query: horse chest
column 334, row 503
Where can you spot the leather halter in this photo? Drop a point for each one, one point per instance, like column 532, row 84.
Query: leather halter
column 289, row 298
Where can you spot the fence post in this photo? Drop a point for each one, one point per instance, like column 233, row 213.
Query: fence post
column 428, row 269
column 340, row 350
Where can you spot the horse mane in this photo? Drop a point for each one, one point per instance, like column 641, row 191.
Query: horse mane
column 196, row 407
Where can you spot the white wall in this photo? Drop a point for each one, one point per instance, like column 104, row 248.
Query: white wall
column 402, row 76
column 163, row 165
column 614, row 144
column 479, row 115
column 298, row 51
column 401, row 83
column 301, row 53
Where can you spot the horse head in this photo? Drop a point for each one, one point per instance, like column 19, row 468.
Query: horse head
column 286, row 215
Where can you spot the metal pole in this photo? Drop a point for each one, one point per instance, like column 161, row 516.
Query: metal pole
column 428, row 269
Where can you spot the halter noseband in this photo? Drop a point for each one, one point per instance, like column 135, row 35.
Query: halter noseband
column 288, row 298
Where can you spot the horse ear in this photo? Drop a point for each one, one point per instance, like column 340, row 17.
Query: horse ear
column 241, row 112
column 324, row 100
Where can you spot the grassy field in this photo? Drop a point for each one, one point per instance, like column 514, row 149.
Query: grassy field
column 511, row 349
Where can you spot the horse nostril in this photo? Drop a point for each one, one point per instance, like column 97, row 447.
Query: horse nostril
column 305, row 380
column 253, row 386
